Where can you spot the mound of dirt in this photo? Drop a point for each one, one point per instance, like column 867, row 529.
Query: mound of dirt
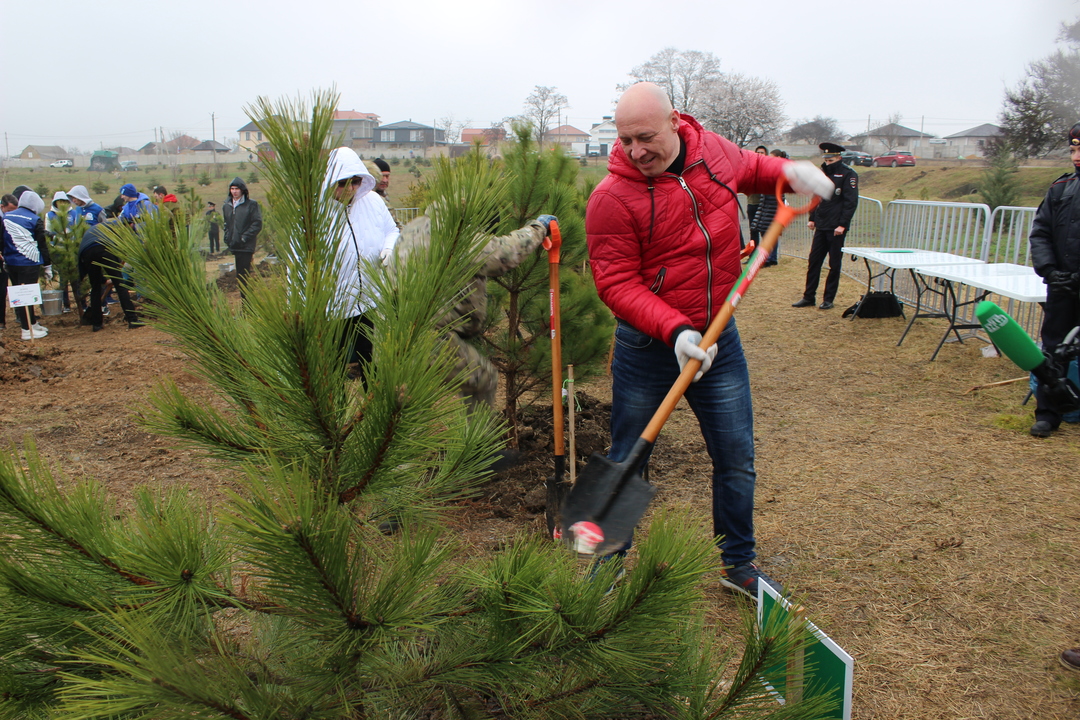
column 22, row 362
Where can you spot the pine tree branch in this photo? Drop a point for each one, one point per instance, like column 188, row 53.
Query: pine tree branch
column 741, row 684
column 347, row 496
column 223, row 709
column 354, row 621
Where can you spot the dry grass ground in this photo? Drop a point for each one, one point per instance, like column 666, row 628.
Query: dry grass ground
column 926, row 531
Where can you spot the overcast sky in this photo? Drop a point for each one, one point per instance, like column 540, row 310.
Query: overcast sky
column 106, row 73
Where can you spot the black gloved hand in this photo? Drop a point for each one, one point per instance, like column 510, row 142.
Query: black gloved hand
column 1062, row 280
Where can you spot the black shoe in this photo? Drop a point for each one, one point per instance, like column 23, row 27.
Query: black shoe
column 768, row 263
column 135, row 324
column 391, row 526
column 827, row 305
column 1042, row 429
column 95, row 328
column 506, row 459
column 803, row 303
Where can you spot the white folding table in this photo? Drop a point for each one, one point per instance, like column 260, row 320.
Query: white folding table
column 893, row 259
column 1006, row 279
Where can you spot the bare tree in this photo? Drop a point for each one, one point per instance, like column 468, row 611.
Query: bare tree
column 542, row 107
column 452, row 127
column 891, row 133
column 684, row 74
column 742, row 108
column 820, row 129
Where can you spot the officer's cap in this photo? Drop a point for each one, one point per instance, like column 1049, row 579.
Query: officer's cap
column 829, row 149
column 1074, row 134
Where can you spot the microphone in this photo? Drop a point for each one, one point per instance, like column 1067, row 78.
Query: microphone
column 1018, row 346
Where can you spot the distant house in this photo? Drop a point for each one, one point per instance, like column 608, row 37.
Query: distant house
column 407, row 135
column 486, row 136
column 893, row 137
column 604, row 132
column 44, row 152
column 209, row 146
column 354, row 129
column 250, row 137
column 971, row 142
column 123, row 150
column 566, row 135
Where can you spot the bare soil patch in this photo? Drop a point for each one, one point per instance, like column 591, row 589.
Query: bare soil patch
column 922, row 526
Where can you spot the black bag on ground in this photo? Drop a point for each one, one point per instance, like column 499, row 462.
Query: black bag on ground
column 876, row 305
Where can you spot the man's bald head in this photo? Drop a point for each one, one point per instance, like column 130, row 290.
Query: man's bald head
column 648, row 128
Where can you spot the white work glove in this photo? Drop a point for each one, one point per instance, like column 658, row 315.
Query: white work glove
column 806, row 178
column 48, row 272
column 686, row 348
column 386, row 255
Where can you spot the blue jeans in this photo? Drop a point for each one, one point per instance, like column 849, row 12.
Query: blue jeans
column 643, row 370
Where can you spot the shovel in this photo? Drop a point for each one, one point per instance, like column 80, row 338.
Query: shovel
column 553, row 243
column 609, row 498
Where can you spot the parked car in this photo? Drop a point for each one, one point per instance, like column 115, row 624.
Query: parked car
column 894, row 158
column 128, row 165
column 62, row 163
column 854, row 157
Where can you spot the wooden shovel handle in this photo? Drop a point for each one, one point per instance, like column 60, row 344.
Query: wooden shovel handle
column 553, row 243
column 784, row 215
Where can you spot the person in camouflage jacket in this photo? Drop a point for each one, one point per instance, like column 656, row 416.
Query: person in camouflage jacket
column 501, row 255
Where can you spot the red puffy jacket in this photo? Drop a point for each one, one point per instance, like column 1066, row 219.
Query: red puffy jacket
column 664, row 251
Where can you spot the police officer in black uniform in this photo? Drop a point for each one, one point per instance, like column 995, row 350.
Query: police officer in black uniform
column 1055, row 255
column 830, row 222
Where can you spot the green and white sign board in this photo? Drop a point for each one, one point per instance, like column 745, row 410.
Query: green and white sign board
column 821, row 667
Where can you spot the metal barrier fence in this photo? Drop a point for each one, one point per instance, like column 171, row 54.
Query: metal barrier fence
column 405, row 215
column 967, row 229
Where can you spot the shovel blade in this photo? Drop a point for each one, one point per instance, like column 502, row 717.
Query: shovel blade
column 611, row 495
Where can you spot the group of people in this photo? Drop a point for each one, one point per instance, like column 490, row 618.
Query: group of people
column 30, row 242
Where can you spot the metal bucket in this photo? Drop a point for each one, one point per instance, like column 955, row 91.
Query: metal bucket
column 52, row 302
column 224, row 269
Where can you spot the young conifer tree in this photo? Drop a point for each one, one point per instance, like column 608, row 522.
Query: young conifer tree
column 287, row 602
column 544, row 182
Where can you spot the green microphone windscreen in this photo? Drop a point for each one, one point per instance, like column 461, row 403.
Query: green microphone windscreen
column 1010, row 338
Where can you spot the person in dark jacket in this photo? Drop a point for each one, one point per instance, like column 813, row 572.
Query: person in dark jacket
column 26, row 252
column 763, row 218
column 830, row 222
column 243, row 221
column 99, row 263
column 1055, row 255
column 213, row 218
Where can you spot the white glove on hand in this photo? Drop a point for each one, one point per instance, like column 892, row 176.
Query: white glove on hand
column 48, row 272
column 806, row 178
column 686, row 348
column 385, row 256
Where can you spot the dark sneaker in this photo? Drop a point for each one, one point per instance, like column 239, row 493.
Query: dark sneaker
column 803, row 303
column 744, row 578
column 1042, row 429
column 1070, row 659
column 827, row 305
column 391, row 526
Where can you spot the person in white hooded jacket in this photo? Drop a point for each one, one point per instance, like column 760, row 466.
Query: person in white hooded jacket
column 369, row 232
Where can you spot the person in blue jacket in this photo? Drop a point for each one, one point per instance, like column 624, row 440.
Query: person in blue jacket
column 25, row 253
column 84, row 206
column 135, row 203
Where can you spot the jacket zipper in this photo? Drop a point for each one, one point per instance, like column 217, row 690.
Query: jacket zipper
column 708, row 249
column 659, row 281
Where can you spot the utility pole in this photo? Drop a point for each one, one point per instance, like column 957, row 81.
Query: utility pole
column 213, row 138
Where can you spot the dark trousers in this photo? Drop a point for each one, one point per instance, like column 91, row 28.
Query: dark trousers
column 215, row 239
column 100, row 264
column 243, row 268
column 825, row 244
column 358, row 339
column 1061, row 313
column 23, row 275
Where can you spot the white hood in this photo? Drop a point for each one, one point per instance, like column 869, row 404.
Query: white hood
column 57, row 197
column 79, row 193
column 345, row 163
column 32, row 202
